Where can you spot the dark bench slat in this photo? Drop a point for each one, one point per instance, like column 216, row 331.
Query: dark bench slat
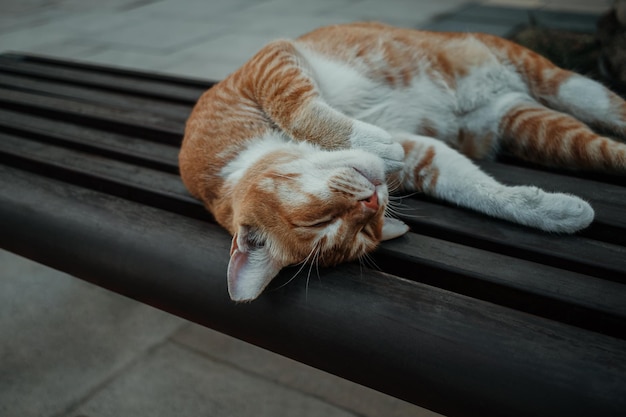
column 115, row 146
column 421, row 210
column 152, row 187
column 569, row 297
column 606, row 193
column 120, row 82
column 132, row 122
column 448, row 352
column 599, row 192
column 575, row 253
column 89, row 95
column 500, row 275
column 468, row 262
column 52, row 62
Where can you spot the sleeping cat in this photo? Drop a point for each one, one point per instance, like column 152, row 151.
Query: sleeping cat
column 295, row 152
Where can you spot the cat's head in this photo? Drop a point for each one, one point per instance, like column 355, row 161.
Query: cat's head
column 289, row 208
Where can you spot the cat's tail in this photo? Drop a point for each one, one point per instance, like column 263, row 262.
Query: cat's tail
column 535, row 133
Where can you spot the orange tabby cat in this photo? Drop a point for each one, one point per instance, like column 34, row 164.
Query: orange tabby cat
column 292, row 152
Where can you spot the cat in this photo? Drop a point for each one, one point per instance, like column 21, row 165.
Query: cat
column 295, row 152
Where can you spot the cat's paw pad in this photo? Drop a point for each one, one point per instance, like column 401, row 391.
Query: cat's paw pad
column 377, row 141
column 552, row 212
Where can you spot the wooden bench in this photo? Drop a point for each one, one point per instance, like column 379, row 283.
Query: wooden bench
column 467, row 316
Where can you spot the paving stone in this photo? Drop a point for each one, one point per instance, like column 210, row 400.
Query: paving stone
column 81, row 23
column 172, row 381
column 67, row 47
column 215, row 10
column 155, row 33
column 283, row 25
column 61, row 337
column 26, row 39
column 583, row 6
column 133, row 58
column 493, row 14
column 90, row 5
column 451, row 25
column 303, row 8
column 584, row 22
column 217, row 58
column 335, row 390
column 12, row 21
column 525, row 4
column 399, row 12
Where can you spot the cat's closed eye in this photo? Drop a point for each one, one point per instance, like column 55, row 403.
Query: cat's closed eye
column 323, row 223
column 317, row 223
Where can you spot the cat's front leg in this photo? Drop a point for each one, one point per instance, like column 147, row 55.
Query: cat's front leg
column 379, row 142
column 437, row 170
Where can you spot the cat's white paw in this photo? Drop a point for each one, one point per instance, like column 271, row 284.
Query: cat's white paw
column 377, row 141
column 552, row 212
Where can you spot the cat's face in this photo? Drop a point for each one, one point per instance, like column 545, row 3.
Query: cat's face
column 322, row 208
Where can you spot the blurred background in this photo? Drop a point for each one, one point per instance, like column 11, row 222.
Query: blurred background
column 70, row 349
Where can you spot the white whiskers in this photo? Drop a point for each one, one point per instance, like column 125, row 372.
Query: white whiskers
column 365, row 259
column 311, row 259
column 399, row 210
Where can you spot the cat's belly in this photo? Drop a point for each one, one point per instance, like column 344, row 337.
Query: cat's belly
column 424, row 105
column 427, row 105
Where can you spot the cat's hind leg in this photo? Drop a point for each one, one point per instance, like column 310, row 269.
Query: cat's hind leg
column 588, row 101
column 536, row 133
column 439, row 171
column 560, row 89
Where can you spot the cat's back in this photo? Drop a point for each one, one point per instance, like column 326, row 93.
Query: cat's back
column 400, row 54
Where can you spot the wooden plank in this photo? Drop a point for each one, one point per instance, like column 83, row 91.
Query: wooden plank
column 569, row 297
column 157, row 188
column 453, row 354
column 97, row 141
column 132, row 122
column 120, row 82
column 608, row 197
column 91, row 95
column 89, row 67
column 574, row 252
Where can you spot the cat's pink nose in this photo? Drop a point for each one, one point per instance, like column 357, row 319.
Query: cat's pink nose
column 371, row 202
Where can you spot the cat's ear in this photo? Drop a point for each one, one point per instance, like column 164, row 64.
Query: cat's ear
column 393, row 228
column 250, row 268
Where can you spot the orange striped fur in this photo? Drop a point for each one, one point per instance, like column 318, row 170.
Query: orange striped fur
column 292, row 152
